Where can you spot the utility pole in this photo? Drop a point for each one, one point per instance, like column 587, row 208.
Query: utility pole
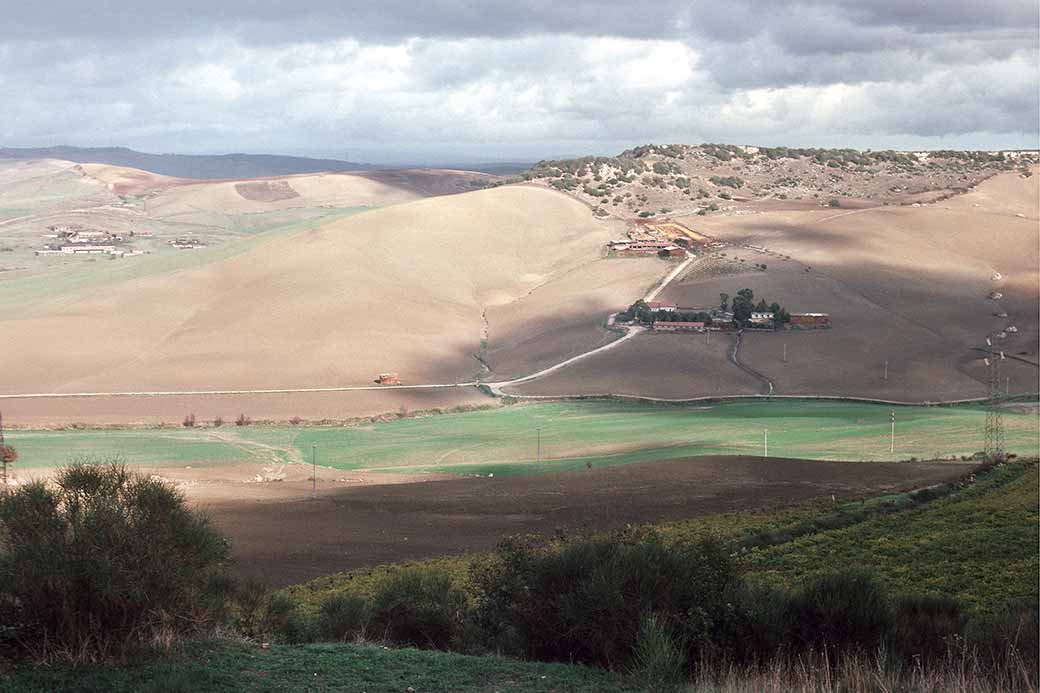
column 314, row 471
column 892, row 439
column 886, row 370
column 765, row 444
column 1007, row 386
column 3, row 450
column 785, row 352
column 539, row 457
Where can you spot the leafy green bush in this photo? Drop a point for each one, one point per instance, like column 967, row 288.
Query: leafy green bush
column 728, row 181
column 659, row 661
column 583, row 600
column 102, row 560
column 419, row 606
column 926, row 626
column 1009, row 636
column 343, row 617
column 761, row 626
column 844, row 611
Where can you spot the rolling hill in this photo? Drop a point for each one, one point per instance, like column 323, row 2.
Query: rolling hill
column 405, row 288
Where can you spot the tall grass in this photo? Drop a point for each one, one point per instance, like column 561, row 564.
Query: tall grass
column 823, row 671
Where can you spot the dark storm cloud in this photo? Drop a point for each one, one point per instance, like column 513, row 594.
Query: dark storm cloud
column 541, row 76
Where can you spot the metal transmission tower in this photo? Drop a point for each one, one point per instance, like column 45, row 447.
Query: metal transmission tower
column 994, row 444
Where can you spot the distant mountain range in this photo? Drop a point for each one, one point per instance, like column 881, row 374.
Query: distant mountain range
column 202, row 166
column 207, row 166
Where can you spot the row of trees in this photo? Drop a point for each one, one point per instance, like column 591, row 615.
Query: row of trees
column 743, row 305
column 641, row 312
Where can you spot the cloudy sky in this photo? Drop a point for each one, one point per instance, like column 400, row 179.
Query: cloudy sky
column 459, row 80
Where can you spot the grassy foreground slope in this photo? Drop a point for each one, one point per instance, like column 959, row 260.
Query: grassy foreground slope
column 505, row 441
column 977, row 545
column 229, row 666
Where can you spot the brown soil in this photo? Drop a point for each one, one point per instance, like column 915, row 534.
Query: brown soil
column 669, row 366
column 310, row 406
column 266, row 191
column 279, row 534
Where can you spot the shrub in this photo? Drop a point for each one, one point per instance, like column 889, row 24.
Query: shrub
column 1009, row 636
column 242, row 420
column 728, row 181
column 102, row 561
column 834, row 202
column 760, row 627
column 218, row 421
column 844, row 611
column 926, row 626
column 658, row 662
column 584, row 599
column 343, row 617
column 8, row 456
column 189, row 421
column 419, row 606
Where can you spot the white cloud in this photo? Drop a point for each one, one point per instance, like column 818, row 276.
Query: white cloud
column 527, row 95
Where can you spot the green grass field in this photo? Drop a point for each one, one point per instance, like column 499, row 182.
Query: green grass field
column 236, row 666
column 505, row 441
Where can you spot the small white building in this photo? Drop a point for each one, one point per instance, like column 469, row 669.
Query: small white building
column 761, row 318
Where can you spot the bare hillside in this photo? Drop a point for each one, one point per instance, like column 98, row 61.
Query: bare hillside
column 404, row 289
column 919, row 287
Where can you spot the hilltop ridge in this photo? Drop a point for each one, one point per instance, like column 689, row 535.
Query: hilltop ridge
column 654, row 179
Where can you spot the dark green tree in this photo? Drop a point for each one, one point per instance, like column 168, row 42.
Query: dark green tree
column 723, row 302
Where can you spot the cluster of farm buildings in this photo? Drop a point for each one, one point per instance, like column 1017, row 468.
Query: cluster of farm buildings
column 77, row 240
column 666, row 240
column 72, row 239
column 723, row 321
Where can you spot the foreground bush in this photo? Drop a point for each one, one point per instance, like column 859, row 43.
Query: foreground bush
column 846, row 611
column 419, row 607
column 585, row 600
column 101, row 560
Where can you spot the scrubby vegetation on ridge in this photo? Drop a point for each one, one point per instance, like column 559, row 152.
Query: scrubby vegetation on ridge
column 678, row 174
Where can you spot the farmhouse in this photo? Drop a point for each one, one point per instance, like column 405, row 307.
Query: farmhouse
column 388, row 379
column 672, row 251
column 670, row 326
column 185, row 243
column 641, row 247
column 657, row 305
column 761, row 318
column 810, row 321
column 79, row 250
